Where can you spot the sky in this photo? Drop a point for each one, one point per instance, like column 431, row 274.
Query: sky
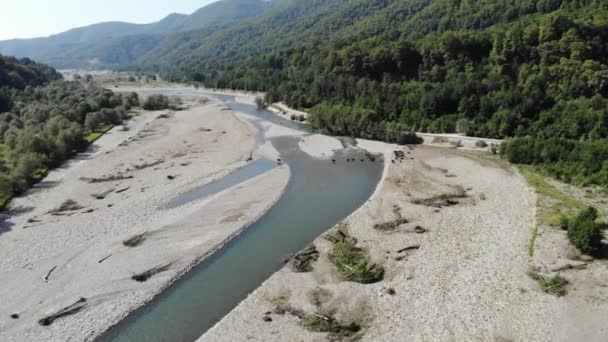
column 41, row 18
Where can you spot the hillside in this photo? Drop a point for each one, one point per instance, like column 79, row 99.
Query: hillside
column 113, row 43
column 19, row 73
column 379, row 69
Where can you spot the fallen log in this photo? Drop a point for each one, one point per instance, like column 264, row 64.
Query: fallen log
column 104, row 259
column 145, row 276
column 409, row 248
column 135, row 240
column 48, row 274
column 67, row 311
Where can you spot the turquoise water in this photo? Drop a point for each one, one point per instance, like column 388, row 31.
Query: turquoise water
column 319, row 195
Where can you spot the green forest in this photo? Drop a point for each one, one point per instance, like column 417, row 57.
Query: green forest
column 45, row 120
column 379, row 69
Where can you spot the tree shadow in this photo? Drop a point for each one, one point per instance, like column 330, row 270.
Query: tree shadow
column 602, row 252
column 5, row 225
column 89, row 153
column 20, row 210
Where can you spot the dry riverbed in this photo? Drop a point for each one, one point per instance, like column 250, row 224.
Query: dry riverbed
column 93, row 241
column 451, row 230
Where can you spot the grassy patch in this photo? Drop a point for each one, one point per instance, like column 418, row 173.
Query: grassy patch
column 552, row 285
column 97, row 133
column 561, row 202
column 353, row 265
column 532, row 241
column 328, row 324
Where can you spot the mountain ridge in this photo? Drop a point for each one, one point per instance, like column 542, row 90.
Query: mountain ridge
column 62, row 50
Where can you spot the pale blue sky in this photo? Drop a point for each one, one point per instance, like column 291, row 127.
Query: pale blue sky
column 40, row 18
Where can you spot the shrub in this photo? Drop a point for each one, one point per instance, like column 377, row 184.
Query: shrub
column 156, row 102
column 481, row 144
column 328, row 324
column 584, row 231
column 552, row 285
column 260, row 103
column 353, row 265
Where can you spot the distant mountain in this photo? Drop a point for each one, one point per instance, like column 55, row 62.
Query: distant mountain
column 111, row 43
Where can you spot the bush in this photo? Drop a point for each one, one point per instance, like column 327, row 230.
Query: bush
column 481, row 144
column 328, row 324
column 260, row 103
column 552, row 285
column 156, row 102
column 584, row 231
column 353, row 265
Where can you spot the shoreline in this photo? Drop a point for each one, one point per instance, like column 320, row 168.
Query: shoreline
column 414, row 278
column 273, row 182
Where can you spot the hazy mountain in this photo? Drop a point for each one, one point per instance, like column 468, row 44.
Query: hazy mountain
column 113, row 43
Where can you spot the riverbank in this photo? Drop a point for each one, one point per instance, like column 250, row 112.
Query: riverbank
column 457, row 270
column 99, row 221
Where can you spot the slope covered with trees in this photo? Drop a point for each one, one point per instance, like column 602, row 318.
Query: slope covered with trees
column 376, row 68
column 113, row 43
column 45, row 120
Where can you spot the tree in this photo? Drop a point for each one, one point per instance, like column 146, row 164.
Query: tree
column 584, row 231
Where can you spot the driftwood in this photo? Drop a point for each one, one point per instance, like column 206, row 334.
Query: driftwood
column 48, row 274
column 102, row 195
column 409, row 248
column 120, row 191
column 135, row 240
column 145, row 276
column 67, row 311
column 104, row 259
column 105, row 179
column 148, row 165
column 67, row 205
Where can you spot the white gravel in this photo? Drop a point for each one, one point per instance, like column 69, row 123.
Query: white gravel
column 468, row 281
column 85, row 249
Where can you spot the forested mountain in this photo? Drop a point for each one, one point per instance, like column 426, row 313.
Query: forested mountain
column 113, row 43
column 45, row 120
column 378, row 68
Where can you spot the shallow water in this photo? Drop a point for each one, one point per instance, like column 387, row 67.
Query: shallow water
column 237, row 177
column 319, row 195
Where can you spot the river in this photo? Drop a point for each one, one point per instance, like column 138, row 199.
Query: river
column 319, row 195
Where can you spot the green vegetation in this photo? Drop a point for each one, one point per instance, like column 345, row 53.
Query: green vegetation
column 557, row 203
column 328, row 324
column 556, row 285
column 532, row 70
column 532, row 241
column 115, row 43
column 45, row 121
column 95, row 134
column 582, row 162
column 353, row 265
column 159, row 102
column 377, row 68
column 584, row 231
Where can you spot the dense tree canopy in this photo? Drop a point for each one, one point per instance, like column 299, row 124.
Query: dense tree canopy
column 42, row 126
column 382, row 68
